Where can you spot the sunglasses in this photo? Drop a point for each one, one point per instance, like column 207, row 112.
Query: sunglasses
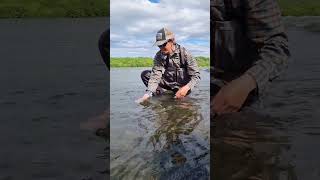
column 163, row 45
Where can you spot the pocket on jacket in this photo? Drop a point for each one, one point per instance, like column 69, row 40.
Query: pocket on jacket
column 225, row 46
column 231, row 46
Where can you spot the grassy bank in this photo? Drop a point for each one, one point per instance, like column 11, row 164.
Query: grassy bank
column 53, row 8
column 147, row 62
column 94, row 8
column 300, row 7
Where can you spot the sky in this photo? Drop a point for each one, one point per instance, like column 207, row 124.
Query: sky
column 134, row 24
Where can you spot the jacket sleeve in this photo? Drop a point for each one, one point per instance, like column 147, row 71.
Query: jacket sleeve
column 266, row 30
column 156, row 73
column 193, row 70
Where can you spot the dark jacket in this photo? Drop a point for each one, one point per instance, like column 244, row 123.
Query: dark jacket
column 248, row 37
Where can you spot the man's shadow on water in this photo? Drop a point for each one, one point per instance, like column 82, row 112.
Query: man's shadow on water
column 250, row 145
column 179, row 153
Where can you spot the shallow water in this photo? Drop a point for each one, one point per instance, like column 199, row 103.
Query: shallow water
column 52, row 80
column 161, row 139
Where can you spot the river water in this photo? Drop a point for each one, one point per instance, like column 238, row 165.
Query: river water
column 161, row 139
column 52, row 81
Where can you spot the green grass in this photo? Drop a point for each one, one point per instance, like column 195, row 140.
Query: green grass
column 99, row 8
column 53, row 8
column 300, row 7
column 147, row 62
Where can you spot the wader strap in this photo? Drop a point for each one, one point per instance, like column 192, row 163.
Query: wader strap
column 167, row 62
column 182, row 57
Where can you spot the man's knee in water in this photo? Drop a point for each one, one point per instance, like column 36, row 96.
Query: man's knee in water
column 103, row 45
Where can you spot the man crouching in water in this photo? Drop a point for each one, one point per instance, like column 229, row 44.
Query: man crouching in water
column 174, row 68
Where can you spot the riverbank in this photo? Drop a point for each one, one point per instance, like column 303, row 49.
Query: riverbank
column 300, row 7
column 93, row 8
column 147, row 62
column 58, row 8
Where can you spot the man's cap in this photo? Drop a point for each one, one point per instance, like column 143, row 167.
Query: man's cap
column 163, row 36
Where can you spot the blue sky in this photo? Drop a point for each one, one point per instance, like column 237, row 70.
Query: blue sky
column 134, row 24
column 154, row 1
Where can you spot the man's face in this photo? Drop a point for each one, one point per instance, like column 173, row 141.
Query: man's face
column 166, row 48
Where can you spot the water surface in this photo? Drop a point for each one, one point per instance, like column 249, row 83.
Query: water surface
column 162, row 139
column 52, row 80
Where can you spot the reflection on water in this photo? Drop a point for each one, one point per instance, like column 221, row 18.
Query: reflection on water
column 101, row 125
column 249, row 145
column 172, row 148
column 163, row 138
column 174, row 118
column 105, row 135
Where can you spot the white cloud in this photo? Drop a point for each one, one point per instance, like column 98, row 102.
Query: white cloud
column 134, row 24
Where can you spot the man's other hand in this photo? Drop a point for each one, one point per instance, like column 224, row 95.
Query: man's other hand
column 143, row 99
column 182, row 92
column 231, row 97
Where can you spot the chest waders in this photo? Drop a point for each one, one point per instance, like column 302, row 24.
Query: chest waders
column 233, row 53
column 176, row 75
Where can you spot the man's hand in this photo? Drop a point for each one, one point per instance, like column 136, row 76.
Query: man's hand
column 144, row 98
column 231, row 97
column 182, row 92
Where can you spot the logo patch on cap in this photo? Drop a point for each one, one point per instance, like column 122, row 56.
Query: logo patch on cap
column 159, row 36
